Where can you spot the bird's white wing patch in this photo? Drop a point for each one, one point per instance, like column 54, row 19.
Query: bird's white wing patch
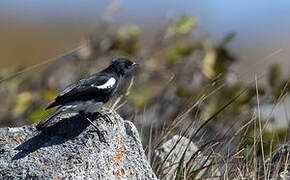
column 110, row 83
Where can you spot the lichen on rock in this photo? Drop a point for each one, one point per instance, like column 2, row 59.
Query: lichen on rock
column 70, row 148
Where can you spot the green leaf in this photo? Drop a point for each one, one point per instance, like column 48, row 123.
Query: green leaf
column 22, row 102
column 177, row 52
column 209, row 62
column 129, row 31
column 39, row 114
column 185, row 25
column 139, row 95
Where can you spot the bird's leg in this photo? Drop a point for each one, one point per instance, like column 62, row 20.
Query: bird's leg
column 100, row 134
column 107, row 118
column 103, row 116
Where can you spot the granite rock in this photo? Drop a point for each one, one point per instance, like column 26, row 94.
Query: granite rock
column 70, row 148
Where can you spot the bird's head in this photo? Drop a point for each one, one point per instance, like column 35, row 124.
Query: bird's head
column 123, row 65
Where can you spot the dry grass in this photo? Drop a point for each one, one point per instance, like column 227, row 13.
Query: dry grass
column 174, row 94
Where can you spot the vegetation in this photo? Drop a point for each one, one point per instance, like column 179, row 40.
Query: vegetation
column 184, row 86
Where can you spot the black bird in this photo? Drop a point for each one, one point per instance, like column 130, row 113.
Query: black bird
column 89, row 94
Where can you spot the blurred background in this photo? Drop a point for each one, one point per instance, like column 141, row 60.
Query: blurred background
column 54, row 27
column 202, row 65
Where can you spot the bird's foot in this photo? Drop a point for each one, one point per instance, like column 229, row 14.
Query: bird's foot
column 103, row 116
column 100, row 133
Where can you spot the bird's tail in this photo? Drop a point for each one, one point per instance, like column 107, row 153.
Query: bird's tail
column 45, row 121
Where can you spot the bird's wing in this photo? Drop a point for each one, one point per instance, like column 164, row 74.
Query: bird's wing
column 95, row 86
column 44, row 122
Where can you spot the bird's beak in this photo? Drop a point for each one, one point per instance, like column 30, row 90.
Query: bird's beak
column 135, row 64
column 132, row 67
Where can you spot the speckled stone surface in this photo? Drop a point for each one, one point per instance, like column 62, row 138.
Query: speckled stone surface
column 70, row 149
